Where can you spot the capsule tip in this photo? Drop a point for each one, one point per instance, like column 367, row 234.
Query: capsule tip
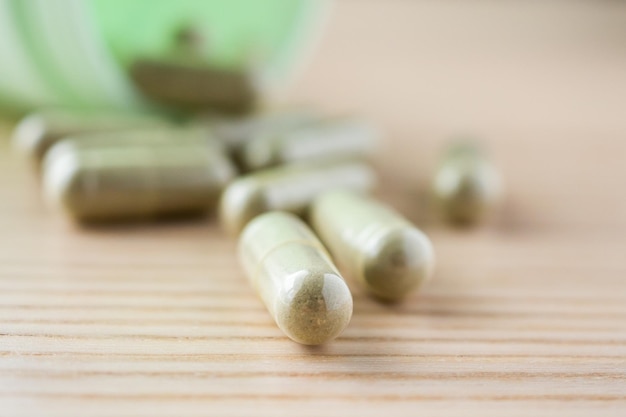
column 400, row 263
column 259, row 153
column 467, row 192
column 314, row 307
column 29, row 135
column 242, row 201
column 61, row 176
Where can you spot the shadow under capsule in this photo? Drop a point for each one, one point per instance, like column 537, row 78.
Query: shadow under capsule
column 145, row 222
column 420, row 206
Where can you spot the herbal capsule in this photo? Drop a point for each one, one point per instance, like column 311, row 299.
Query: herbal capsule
column 378, row 247
column 195, row 86
column 234, row 132
column 289, row 188
column 295, row 278
column 466, row 186
column 112, row 183
column 37, row 132
column 139, row 137
column 329, row 139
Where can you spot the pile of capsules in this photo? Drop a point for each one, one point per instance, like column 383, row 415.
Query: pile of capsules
column 103, row 166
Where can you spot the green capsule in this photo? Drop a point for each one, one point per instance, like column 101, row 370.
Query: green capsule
column 295, row 278
column 466, row 186
column 342, row 137
column 183, row 76
column 96, row 184
column 196, row 87
column 377, row 246
column 289, row 188
column 37, row 132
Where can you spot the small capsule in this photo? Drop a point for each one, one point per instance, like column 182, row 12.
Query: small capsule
column 342, row 137
column 379, row 248
column 96, row 184
column 296, row 279
column 467, row 187
column 234, row 132
column 37, row 132
column 195, row 86
column 289, row 188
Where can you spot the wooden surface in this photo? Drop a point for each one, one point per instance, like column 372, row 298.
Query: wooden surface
column 526, row 316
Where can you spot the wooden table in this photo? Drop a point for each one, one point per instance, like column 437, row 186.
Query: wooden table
column 525, row 316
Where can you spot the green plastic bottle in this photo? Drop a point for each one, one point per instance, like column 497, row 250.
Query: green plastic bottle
column 78, row 52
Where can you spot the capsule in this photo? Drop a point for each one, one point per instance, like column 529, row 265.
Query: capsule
column 195, row 86
column 96, row 184
column 235, row 132
column 466, row 186
column 341, row 137
column 37, row 132
column 377, row 246
column 296, row 279
column 139, row 137
column 289, row 188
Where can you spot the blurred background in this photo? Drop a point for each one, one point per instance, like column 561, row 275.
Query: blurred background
column 472, row 64
column 540, row 85
column 464, row 65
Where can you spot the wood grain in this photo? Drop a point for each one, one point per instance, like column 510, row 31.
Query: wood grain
column 526, row 315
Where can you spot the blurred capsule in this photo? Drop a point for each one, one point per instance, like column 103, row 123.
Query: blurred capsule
column 466, row 186
column 195, row 87
column 135, row 181
column 295, row 278
column 289, row 188
column 183, row 76
column 140, row 137
column 235, row 132
column 341, row 137
column 37, row 132
column 379, row 248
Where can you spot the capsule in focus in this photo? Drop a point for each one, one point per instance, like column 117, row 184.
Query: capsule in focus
column 295, row 278
column 37, row 132
column 95, row 184
column 333, row 138
column 467, row 187
column 289, row 188
column 376, row 245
